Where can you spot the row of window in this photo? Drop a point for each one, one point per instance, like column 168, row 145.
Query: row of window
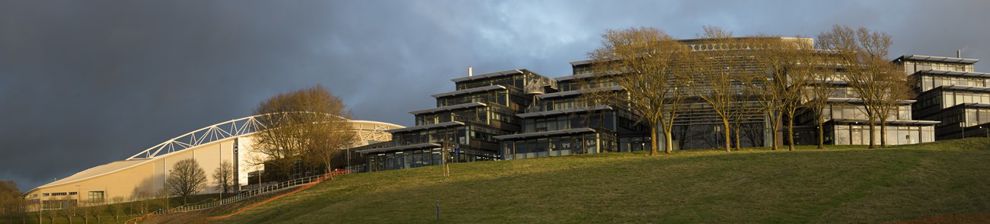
column 860, row 135
column 593, row 120
column 931, row 82
column 55, row 194
column 432, row 135
column 952, row 98
column 500, row 97
column 856, row 112
column 578, row 84
column 912, row 67
column 572, row 144
column 518, row 81
column 968, row 117
column 425, row 157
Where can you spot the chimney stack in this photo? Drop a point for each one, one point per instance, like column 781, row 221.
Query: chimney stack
column 959, row 53
column 470, row 71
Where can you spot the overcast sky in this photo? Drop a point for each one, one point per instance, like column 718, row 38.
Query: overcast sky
column 84, row 83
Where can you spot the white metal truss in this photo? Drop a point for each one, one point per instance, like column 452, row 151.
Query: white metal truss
column 216, row 132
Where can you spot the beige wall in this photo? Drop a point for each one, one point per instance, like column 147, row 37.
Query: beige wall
column 140, row 179
column 143, row 179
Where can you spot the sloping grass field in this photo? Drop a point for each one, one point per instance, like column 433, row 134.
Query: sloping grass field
column 837, row 185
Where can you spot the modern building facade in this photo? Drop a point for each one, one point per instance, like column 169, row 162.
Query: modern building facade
column 464, row 122
column 541, row 117
column 143, row 175
column 952, row 92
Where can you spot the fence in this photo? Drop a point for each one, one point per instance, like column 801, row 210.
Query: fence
column 261, row 190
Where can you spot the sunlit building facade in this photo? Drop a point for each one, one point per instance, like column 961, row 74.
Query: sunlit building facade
column 143, row 176
column 952, row 92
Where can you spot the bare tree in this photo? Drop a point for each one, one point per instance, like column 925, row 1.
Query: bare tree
column 798, row 70
column 818, row 90
column 890, row 78
column 653, row 67
column 186, row 178
column 308, row 126
column 863, row 53
column 223, row 175
column 11, row 201
column 766, row 86
column 716, row 83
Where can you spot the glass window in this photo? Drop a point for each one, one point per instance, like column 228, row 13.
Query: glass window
column 856, row 135
column 96, row 196
column 984, row 116
column 842, row 135
column 948, row 100
column 971, row 118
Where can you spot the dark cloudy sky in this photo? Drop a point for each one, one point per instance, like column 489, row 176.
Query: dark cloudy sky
column 83, row 83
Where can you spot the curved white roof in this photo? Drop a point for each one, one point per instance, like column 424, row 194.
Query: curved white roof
column 200, row 137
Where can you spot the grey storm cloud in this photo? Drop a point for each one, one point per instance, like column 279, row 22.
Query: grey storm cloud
column 83, row 83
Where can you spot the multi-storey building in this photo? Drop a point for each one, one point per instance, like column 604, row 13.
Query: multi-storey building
column 463, row 122
column 950, row 91
column 563, row 122
column 518, row 114
column 847, row 123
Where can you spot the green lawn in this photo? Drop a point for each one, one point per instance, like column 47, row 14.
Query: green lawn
column 843, row 184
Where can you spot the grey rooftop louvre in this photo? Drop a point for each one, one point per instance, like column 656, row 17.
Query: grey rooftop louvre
column 467, row 91
column 915, row 57
column 451, row 107
column 578, row 92
column 490, row 75
column 429, row 126
column 564, row 111
column 955, row 73
column 965, row 88
column 894, row 122
column 860, row 100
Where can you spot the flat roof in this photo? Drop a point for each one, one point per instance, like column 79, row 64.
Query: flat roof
column 401, row 147
column 860, row 100
column 969, row 105
column 451, row 107
column 578, row 92
column 915, row 57
column 894, row 122
column 429, row 126
column 965, row 88
column 491, row 75
column 584, row 76
column 955, row 73
column 471, row 90
column 564, row 111
column 582, row 62
column 545, row 133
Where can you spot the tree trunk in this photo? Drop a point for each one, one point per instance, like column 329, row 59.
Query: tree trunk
column 774, row 126
column 670, row 142
column 738, row 145
column 872, row 134
column 883, row 133
column 654, row 147
column 821, row 134
column 790, row 133
column 728, row 135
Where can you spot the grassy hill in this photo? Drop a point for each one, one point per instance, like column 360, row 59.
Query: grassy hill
column 841, row 184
